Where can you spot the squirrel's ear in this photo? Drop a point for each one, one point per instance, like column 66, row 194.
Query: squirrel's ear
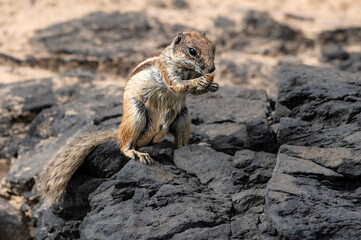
column 178, row 38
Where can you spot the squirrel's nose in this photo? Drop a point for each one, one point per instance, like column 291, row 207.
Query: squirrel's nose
column 212, row 69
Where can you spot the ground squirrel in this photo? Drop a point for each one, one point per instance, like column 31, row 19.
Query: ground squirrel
column 154, row 103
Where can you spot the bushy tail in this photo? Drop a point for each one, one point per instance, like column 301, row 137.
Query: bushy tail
column 61, row 168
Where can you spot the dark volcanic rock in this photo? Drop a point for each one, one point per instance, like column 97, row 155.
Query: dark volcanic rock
column 332, row 51
column 12, row 226
column 307, row 199
column 50, row 226
column 156, row 201
column 112, row 197
column 232, row 120
column 229, row 105
column 219, row 232
column 104, row 161
column 244, row 71
column 226, row 184
column 261, row 24
column 224, row 23
column 210, row 167
column 261, row 138
column 261, row 34
column 319, row 95
column 352, row 64
column 298, row 132
column 51, row 129
column 231, row 175
column 22, row 102
column 342, row 36
column 257, row 165
column 112, row 42
column 314, row 192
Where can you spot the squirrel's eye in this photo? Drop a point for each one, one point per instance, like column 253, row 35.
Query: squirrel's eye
column 192, row 52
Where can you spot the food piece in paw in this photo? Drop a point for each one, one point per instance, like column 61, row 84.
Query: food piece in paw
column 209, row 78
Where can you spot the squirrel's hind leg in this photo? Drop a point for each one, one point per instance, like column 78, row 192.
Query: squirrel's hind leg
column 180, row 128
column 144, row 158
column 135, row 131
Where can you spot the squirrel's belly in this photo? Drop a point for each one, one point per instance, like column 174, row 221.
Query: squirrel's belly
column 163, row 112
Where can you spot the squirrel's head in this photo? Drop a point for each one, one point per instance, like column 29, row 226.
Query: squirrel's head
column 193, row 51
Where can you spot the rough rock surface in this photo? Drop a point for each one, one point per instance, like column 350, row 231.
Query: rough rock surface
column 11, row 221
column 314, row 192
column 227, row 184
column 168, row 199
column 259, row 33
column 164, row 200
column 111, row 42
column 253, row 169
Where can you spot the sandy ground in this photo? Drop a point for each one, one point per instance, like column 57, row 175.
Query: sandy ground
column 20, row 19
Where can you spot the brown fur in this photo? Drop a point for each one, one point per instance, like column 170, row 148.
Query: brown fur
column 141, row 67
column 154, row 103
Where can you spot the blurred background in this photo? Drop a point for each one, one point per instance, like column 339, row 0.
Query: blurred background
column 42, row 38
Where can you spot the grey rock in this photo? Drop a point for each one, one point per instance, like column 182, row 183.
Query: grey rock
column 262, row 25
column 343, row 161
column 245, row 227
column 111, row 42
column 261, row 34
column 74, row 204
column 333, row 51
column 244, row 200
column 224, row 23
column 302, row 187
column 21, row 102
column 47, row 225
column 260, row 136
column 104, row 161
column 302, row 133
column 352, row 64
column 212, row 168
column 202, row 191
column 334, row 54
column 230, row 143
column 219, row 232
column 341, row 36
column 160, row 152
column 19, row 105
column 156, row 201
column 181, row 4
column 314, row 189
column 224, row 106
column 244, row 71
column 12, row 224
column 258, row 166
column 51, row 129
column 319, row 95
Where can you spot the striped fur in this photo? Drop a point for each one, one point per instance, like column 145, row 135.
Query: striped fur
column 154, row 103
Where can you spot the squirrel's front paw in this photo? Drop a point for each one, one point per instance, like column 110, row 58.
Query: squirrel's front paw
column 213, row 87
column 202, row 82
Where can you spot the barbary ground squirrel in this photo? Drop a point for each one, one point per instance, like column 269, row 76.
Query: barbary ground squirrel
column 154, row 103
